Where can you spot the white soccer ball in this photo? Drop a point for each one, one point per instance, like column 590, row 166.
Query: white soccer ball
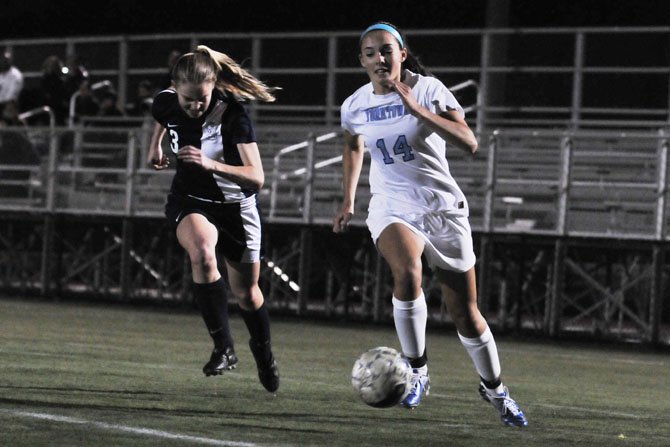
column 382, row 377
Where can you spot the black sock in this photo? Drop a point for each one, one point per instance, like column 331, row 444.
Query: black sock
column 491, row 385
column 419, row 361
column 213, row 303
column 258, row 324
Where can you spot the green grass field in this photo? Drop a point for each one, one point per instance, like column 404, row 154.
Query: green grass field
column 74, row 374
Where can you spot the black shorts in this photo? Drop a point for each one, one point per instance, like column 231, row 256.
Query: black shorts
column 239, row 224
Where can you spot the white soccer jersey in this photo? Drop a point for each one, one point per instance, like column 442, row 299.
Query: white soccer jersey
column 409, row 169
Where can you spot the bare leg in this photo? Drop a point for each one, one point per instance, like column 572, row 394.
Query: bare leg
column 199, row 236
column 402, row 249
column 460, row 293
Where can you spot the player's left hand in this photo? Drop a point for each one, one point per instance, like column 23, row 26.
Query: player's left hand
column 191, row 154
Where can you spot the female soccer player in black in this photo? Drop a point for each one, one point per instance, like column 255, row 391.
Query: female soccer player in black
column 213, row 195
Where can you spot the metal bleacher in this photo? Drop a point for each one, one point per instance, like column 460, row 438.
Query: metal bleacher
column 568, row 203
column 602, row 189
column 613, row 189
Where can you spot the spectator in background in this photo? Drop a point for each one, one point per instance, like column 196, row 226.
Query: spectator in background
column 53, row 88
column 143, row 99
column 108, row 104
column 166, row 80
column 85, row 103
column 75, row 75
column 10, row 115
column 11, row 82
column 15, row 149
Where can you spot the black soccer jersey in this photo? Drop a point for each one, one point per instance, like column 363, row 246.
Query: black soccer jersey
column 217, row 133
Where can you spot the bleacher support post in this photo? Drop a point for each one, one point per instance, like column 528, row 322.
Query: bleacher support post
column 305, row 269
column 127, row 229
column 554, row 311
column 47, row 254
column 656, row 299
column 306, row 232
column 485, row 250
column 483, row 94
column 126, row 244
column 577, row 81
column 46, row 268
column 130, row 173
column 553, row 317
column 658, row 253
column 309, row 180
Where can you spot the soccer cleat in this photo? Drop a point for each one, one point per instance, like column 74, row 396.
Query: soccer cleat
column 420, row 386
column 220, row 361
column 268, row 373
column 510, row 413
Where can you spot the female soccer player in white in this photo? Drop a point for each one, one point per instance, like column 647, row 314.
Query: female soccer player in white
column 404, row 117
column 212, row 199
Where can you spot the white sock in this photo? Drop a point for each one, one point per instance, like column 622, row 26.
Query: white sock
column 410, row 323
column 484, row 354
column 423, row 371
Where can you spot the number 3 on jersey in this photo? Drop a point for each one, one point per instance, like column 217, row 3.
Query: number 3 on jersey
column 400, row 147
column 174, row 141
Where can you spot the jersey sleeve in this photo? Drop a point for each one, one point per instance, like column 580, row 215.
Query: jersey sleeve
column 439, row 99
column 345, row 122
column 160, row 108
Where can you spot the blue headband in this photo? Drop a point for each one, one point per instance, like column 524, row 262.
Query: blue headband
column 381, row 26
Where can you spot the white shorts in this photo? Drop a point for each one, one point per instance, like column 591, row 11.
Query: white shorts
column 447, row 237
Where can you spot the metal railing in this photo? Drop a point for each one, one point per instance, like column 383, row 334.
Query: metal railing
column 588, row 210
column 306, row 171
column 44, row 110
column 558, row 88
column 565, row 183
column 72, row 109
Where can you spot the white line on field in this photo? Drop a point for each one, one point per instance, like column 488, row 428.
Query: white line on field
column 127, row 429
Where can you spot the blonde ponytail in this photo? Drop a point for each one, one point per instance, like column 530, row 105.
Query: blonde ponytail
column 235, row 79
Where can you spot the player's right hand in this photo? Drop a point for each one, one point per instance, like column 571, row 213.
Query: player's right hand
column 341, row 221
column 159, row 164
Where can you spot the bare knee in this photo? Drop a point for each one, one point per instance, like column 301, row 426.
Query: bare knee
column 249, row 298
column 464, row 314
column 466, row 317
column 407, row 279
column 203, row 258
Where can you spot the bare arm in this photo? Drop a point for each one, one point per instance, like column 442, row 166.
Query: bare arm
column 352, row 162
column 155, row 156
column 249, row 175
column 452, row 127
column 449, row 125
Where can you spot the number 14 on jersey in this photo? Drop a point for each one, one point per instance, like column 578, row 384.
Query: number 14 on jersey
column 400, row 147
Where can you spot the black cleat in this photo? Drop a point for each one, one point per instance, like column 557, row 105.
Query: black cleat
column 268, row 373
column 220, row 361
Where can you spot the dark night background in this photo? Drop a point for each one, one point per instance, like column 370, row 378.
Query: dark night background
column 45, row 18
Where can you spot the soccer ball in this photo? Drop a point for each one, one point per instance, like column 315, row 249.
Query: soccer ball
column 382, row 377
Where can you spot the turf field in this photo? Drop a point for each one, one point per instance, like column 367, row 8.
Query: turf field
column 74, row 374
